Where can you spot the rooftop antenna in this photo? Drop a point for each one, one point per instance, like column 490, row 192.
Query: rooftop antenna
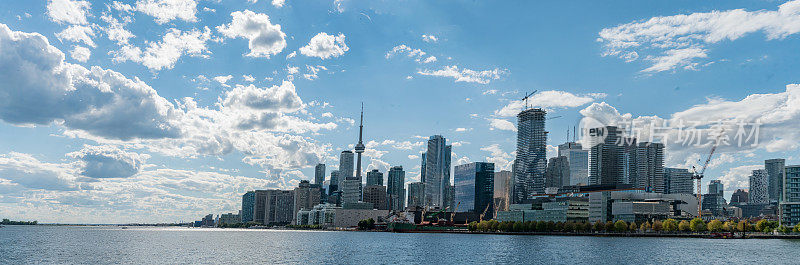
column 567, row 134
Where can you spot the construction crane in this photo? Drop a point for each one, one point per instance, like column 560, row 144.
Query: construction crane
column 527, row 97
column 452, row 215
column 699, row 176
column 484, row 211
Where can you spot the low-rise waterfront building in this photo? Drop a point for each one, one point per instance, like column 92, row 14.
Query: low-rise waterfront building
column 229, row 218
column 329, row 215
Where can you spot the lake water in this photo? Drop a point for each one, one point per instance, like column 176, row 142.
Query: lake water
column 102, row 245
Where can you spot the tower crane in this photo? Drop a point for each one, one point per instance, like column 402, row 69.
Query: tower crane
column 527, row 97
column 699, row 176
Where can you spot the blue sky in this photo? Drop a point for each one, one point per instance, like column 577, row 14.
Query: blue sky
column 166, row 110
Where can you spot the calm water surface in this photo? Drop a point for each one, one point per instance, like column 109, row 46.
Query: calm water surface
column 103, row 245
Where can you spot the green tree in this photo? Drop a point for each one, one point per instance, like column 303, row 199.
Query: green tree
column 541, row 226
column 715, row 226
column 559, row 226
column 697, row 225
column 633, row 227
column 493, row 225
column 762, row 226
column 658, row 226
column 519, row 227
column 620, row 226
column 609, row 226
column 684, row 226
column 729, row 226
column 598, row 226
column 473, row 226
column 645, row 227
column 670, row 225
column 797, row 228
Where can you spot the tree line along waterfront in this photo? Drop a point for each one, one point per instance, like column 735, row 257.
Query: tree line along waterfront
column 668, row 226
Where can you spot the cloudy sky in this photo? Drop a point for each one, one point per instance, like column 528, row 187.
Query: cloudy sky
column 166, row 110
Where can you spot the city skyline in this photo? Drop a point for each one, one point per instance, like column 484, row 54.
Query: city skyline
column 169, row 113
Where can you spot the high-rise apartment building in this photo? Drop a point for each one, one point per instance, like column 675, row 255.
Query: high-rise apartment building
column 759, row 187
column 650, row 167
column 790, row 205
column 319, row 174
column 374, row 178
column 531, row 160
column 677, row 181
column 474, row 187
column 351, row 192
column 416, row 194
column 437, row 171
column 306, row 196
column 333, row 186
column 557, row 173
column 376, row 194
column 606, row 156
column 248, row 206
column 345, row 166
column 273, row 207
column 775, row 168
column 395, row 188
column 578, row 163
column 502, row 189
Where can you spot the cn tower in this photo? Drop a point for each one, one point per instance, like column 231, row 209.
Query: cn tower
column 360, row 147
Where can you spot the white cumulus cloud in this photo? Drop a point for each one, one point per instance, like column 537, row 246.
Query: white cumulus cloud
column 167, row 10
column 325, row 46
column 68, row 11
column 265, row 39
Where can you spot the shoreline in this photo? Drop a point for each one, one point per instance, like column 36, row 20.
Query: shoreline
column 676, row 235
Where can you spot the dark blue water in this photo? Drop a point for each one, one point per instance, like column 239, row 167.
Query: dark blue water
column 103, row 245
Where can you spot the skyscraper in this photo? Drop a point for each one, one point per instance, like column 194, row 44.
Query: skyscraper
column 319, row 174
column 678, row 181
column 502, row 189
column 714, row 200
column 416, row 194
column 350, row 191
column 759, row 187
column 395, row 188
column 775, row 170
column 531, row 160
column 374, row 177
column 345, row 167
column 716, row 187
column 333, row 186
column 557, row 173
column 650, row 167
column 606, row 156
column 437, row 171
column 359, row 150
column 578, row 160
column 474, row 187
